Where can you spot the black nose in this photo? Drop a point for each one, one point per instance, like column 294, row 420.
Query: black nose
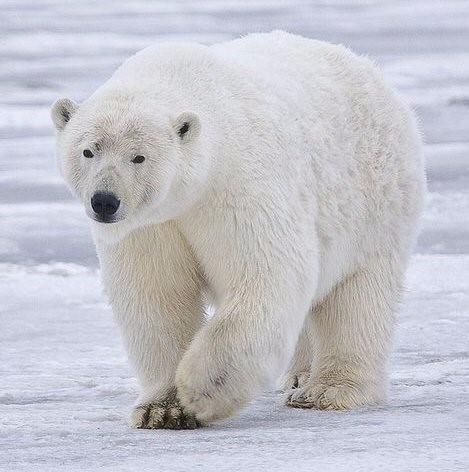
column 104, row 204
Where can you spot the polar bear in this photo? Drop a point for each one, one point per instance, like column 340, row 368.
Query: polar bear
column 274, row 177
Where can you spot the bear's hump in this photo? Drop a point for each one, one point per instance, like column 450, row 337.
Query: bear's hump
column 164, row 58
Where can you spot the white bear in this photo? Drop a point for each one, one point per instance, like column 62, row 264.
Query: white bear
column 275, row 177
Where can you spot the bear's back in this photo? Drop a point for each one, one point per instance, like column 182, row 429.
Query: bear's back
column 273, row 59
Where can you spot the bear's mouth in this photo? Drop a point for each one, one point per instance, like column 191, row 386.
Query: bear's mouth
column 105, row 220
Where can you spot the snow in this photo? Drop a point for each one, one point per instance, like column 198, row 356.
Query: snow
column 69, row 385
column 66, row 383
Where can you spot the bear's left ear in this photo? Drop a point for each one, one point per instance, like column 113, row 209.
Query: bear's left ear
column 61, row 112
column 187, row 126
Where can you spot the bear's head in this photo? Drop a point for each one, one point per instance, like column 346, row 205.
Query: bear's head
column 129, row 165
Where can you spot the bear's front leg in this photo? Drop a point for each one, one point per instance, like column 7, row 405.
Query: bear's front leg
column 240, row 350
column 154, row 288
column 263, row 272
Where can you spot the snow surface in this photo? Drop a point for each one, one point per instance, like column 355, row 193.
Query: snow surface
column 66, row 384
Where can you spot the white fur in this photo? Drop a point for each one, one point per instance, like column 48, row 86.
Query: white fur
column 292, row 202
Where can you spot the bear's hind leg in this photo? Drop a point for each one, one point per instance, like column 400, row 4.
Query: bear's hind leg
column 353, row 329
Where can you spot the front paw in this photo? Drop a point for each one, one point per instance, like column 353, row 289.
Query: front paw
column 210, row 388
column 163, row 414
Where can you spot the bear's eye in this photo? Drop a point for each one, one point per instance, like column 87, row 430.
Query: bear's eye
column 138, row 159
column 87, row 153
column 183, row 129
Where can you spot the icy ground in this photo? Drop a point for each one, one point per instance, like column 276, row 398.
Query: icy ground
column 66, row 385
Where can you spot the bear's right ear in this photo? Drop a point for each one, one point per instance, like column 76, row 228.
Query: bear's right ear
column 187, row 126
column 61, row 112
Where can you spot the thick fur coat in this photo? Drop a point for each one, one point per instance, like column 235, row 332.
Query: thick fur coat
column 282, row 183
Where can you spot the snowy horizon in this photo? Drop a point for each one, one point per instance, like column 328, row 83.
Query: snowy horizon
column 67, row 383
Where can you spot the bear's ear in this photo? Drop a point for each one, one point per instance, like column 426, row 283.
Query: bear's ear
column 61, row 112
column 187, row 126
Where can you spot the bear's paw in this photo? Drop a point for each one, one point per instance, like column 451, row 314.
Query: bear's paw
column 340, row 395
column 165, row 414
